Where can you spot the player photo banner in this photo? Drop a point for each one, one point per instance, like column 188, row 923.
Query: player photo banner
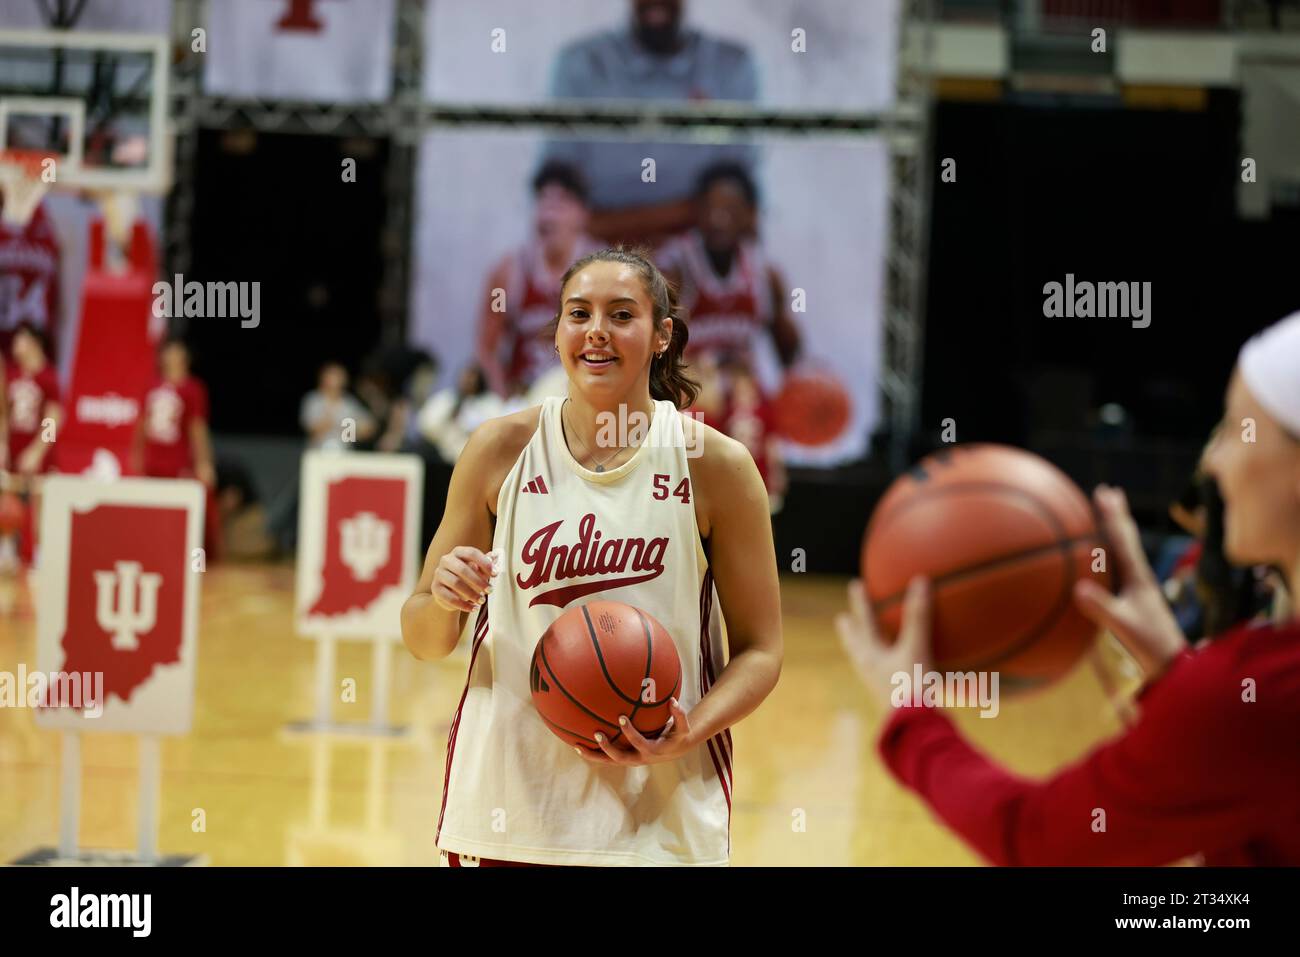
column 358, row 543
column 802, row 301
column 330, row 51
column 833, row 55
column 118, row 602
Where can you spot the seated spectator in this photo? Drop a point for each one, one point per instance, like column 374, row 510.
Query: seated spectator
column 331, row 417
column 1210, row 596
column 243, row 519
column 386, row 389
column 419, row 386
column 450, row 415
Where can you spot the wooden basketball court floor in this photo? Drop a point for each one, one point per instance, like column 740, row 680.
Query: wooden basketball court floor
column 809, row 789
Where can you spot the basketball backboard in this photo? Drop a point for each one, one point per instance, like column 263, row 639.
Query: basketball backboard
column 95, row 101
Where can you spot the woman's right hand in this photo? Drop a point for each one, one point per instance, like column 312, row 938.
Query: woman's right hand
column 463, row 579
column 1138, row 615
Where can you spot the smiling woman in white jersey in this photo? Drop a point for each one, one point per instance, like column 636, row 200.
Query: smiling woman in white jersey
column 544, row 485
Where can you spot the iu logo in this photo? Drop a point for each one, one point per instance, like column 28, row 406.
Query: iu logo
column 300, row 15
column 364, row 544
column 126, row 603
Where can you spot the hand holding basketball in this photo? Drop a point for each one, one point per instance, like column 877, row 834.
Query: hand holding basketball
column 875, row 661
column 672, row 743
column 1138, row 616
column 462, row 580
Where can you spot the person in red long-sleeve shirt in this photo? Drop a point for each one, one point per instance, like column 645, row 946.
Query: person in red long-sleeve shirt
column 1212, row 764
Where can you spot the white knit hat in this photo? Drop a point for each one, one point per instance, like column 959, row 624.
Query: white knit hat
column 1270, row 367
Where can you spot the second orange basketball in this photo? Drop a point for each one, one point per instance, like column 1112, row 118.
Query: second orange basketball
column 1002, row 535
column 601, row 660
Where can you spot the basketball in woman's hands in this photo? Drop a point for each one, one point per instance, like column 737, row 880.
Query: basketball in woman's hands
column 601, row 660
column 1002, row 535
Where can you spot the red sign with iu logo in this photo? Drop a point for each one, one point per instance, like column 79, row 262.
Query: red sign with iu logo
column 126, row 593
column 365, row 520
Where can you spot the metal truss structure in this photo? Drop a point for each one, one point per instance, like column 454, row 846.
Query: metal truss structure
column 406, row 117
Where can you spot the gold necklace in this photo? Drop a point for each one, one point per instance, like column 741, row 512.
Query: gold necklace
column 600, row 466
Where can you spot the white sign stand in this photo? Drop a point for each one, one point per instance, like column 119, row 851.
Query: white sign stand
column 69, row 853
column 163, row 704
column 70, row 795
column 319, row 841
column 379, row 622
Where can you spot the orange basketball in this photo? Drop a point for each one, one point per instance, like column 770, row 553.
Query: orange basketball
column 1002, row 535
column 812, row 408
column 601, row 660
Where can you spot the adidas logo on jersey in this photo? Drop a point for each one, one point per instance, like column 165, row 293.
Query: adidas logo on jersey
column 536, row 486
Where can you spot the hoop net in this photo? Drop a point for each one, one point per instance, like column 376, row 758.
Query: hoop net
column 21, row 184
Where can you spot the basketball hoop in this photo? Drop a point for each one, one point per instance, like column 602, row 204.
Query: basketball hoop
column 22, row 184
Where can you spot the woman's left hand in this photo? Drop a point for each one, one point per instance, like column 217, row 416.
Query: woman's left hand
column 674, row 741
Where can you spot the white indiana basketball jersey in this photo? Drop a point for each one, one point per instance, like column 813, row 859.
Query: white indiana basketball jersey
column 513, row 790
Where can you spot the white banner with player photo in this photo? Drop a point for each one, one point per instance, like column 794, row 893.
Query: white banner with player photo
column 328, row 51
column 821, row 226
column 835, row 55
column 117, row 603
column 358, row 543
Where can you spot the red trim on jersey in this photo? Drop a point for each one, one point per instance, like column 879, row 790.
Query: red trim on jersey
column 706, row 608
column 709, row 673
column 480, row 632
